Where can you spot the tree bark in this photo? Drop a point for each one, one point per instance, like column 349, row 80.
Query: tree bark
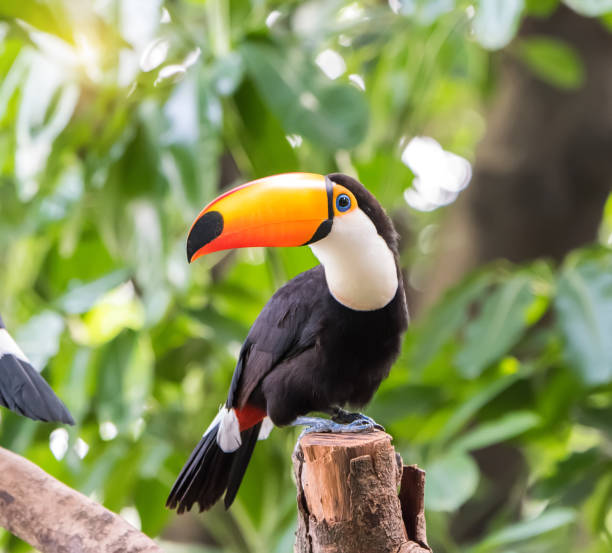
column 347, row 496
column 54, row 518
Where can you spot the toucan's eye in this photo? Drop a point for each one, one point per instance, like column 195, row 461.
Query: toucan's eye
column 343, row 202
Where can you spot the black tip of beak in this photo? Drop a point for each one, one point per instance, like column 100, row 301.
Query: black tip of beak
column 204, row 230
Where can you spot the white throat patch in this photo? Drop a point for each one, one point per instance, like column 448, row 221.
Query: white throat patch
column 359, row 266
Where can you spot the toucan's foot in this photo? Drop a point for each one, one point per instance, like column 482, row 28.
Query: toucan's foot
column 346, row 417
column 315, row 424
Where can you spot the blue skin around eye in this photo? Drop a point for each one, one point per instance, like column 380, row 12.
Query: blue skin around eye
column 344, row 207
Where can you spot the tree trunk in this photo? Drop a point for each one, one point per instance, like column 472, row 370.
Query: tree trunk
column 347, row 496
column 543, row 170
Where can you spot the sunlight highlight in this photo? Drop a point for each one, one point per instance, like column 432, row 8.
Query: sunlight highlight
column 439, row 175
column 89, row 56
column 58, row 443
column 295, row 140
column 154, row 54
column 357, row 80
column 81, row 448
column 108, row 431
column 331, row 63
column 272, row 18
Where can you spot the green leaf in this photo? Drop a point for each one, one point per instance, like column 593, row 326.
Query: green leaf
column 228, row 73
column 429, row 336
column 261, row 134
column 500, row 324
column 81, row 297
column 77, row 379
column 192, row 115
column 392, row 401
column 499, row 430
column 330, row 115
column 600, row 418
column 553, row 61
column 468, row 409
column 99, row 472
column 149, row 494
column 451, row 481
column 138, row 378
column 39, row 337
column 48, row 16
column 541, row 8
column 497, row 21
column 569, row 474
column 600, row 503
column 381, row 169
column 110, row 387
column 590, row 8
column 125, row 379
column 584, row 317
column 137, row 172
column 546, row 522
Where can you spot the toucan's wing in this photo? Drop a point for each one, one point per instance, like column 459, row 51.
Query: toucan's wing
column 22, row 389
column 282, row 330
column 286, row 326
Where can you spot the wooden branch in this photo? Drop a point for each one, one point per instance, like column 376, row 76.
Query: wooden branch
column 54, row 518
column 347, row 496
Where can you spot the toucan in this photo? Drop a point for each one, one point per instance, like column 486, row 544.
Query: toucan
column 22, row 389
column 325, row 340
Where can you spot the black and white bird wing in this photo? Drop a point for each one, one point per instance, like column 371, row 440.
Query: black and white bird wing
column 282, row 331
column 22, row 389
column 286, row 327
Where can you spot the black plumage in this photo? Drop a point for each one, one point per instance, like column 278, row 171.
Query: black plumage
column 305, row 352
column 24, row 391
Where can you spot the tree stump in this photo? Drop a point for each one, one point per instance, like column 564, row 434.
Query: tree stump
column 54, row 518
column 348, row 496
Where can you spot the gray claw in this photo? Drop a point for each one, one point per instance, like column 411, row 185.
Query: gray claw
column 372, row 422
column 345, row 417
column 360, row 425
column 313, row 424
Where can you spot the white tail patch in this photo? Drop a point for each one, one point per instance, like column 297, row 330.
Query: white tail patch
column 228, row 436
column 8, row 346
column 266, row 427
column 216, row 420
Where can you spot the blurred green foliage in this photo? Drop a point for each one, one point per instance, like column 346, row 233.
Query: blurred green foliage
column 118, row 120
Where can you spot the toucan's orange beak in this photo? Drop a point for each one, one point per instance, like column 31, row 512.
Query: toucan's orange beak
column 291, row 209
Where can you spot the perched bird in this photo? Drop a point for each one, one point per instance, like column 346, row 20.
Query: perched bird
column 22, row 389
column 325, row 339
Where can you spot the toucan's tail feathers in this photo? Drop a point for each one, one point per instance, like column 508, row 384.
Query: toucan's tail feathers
column 24, row 391
column 209, row 472
column 242, row 456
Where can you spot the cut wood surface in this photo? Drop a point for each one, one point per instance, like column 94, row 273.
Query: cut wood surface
column 54, row 518
column 348, row 496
